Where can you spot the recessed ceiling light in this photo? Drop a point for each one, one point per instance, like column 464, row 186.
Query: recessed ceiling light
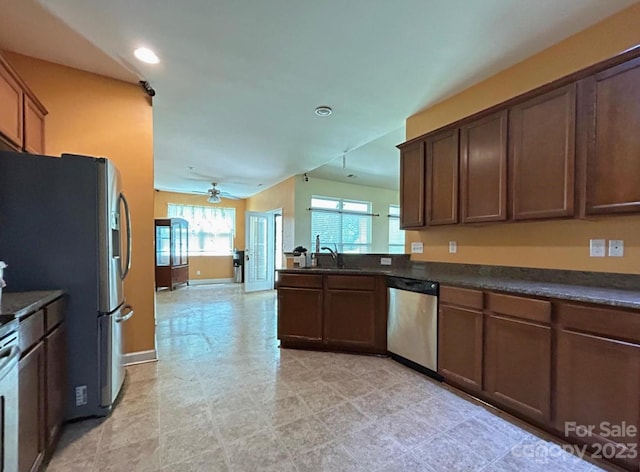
column 323, row 111
column 146, row 55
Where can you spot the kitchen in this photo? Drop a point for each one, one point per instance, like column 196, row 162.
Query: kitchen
column 559, row 245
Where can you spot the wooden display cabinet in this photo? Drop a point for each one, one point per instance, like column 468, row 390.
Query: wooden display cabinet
column 172, row 252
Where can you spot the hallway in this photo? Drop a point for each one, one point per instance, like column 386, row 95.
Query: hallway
column 224, row 397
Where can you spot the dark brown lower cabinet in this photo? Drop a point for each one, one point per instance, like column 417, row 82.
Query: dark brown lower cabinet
column 42, row 384
column 598, row 381
column 517, row 365
column 31, row 418
column 339, row 312
column 572, row 369
column 300, row 314
column 460, row 336
column 350, row 318
column 55, row 345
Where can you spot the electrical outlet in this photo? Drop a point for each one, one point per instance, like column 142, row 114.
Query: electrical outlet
column 81, row 395
column 417, row 248
column 453, row 247
column 616, row 248
column 597, row 247
column 197, row 272
column 385, row 261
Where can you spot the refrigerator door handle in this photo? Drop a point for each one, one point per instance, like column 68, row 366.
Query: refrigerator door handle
column 125, row 316
column 128, row 218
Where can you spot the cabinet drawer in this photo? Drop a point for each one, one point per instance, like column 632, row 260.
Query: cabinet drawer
column 461, row 296
column 54, row 314
column 300, row 280
column 352, row 282
column 600, row 320
column 31, row 330
column 519, row 307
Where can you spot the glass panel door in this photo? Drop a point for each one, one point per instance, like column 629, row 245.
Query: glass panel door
column 259, row 252
column 163, row 248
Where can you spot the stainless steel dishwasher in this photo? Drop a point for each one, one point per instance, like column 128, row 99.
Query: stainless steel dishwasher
column 412, row 324
column 9, row 354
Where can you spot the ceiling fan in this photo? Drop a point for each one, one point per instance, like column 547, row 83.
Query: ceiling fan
column 215, row 195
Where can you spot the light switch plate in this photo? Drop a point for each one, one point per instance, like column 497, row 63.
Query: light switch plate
column 597, row 247
column 453, row 247
column 385, row 261
column 616, row 248
column 417, row 248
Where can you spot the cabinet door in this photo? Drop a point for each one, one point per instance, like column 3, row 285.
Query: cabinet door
column 350, row 319
column 55, row 344
column 31, row 415
column 460, row 346
column 517, row 365
column 542, row 155
column 597, row 381
column 300, row 315
column 483, row 166
column 442, row 178
column 11, row 111
column 33, row 127
column 611, row 118
column 176, row 243
column 412, row 166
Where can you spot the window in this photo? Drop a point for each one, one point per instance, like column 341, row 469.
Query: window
column 345, row 223
column 396, row 235
column 211, row 230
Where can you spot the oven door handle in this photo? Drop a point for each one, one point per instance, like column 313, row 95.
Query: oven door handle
column 8, row 360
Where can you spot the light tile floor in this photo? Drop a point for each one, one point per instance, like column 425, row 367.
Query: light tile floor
column 224, row 397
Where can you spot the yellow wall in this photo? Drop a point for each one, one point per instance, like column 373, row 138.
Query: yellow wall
column 280, row 196
column 97, row 116
column 210, row 267
column 552, row 244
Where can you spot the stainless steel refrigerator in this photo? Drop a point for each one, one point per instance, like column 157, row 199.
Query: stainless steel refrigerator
column 64, row 224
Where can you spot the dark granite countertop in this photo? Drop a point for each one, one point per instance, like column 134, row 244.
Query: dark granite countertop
column 616, row 290
column 20, row 304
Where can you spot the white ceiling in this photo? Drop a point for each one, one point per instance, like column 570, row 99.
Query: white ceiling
column 239, row 80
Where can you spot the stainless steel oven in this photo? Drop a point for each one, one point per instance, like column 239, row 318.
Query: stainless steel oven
column 9, row 355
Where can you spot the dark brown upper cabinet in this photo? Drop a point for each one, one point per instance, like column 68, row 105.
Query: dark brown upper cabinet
column 611, row 140
column 412, row 166
column 542, row 155
column 483, row 169
column 442, row 178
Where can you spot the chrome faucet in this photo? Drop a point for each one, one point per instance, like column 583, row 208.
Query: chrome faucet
column 335, row 255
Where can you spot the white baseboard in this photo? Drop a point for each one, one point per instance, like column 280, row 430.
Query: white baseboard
column 140, row 357
column 210, row 281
